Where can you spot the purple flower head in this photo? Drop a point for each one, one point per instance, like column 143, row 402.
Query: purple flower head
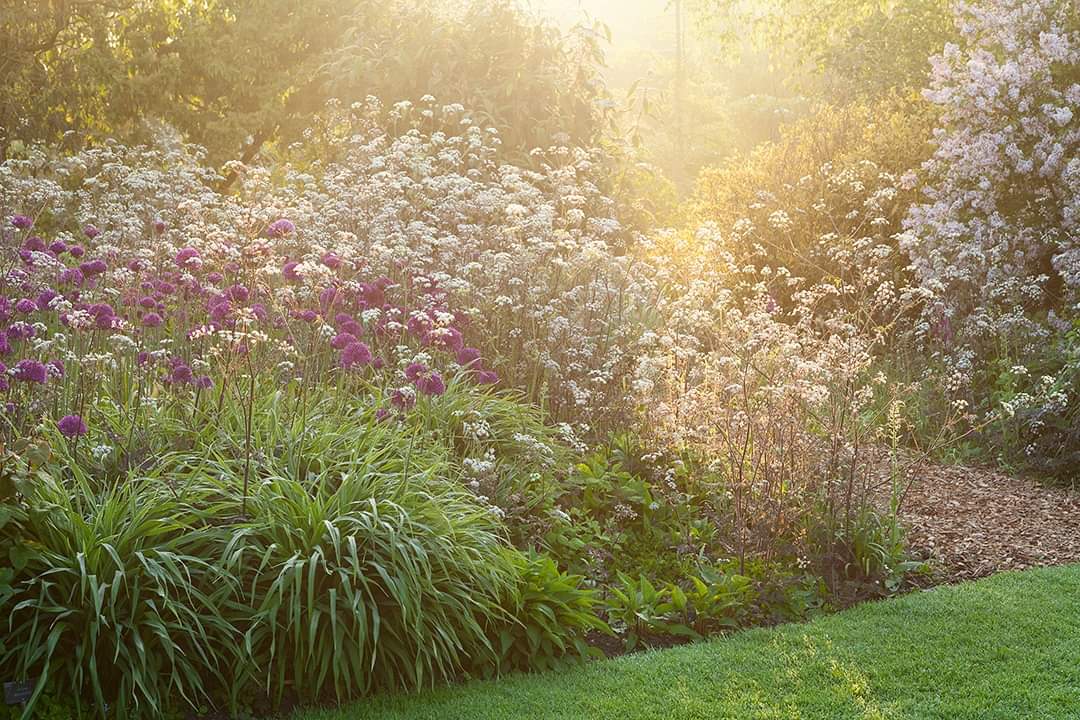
column 373, row 294
column 402, row 399
column 101, row 310
column 215, row 278
column 308, row 316
column 72, row 426
column 45, row 297
column 20, row 331
column 445, row 338
column 415, row 370
column 352, row 327
column 71, row 276
column 30, row 371
column 378, row 363
column 288, row 271
column 136, row 265
column 186, row 256
column 204, row 382
column 159, row 226
column 59, row 247
column 181, row 374
column 327, row 297
column 431, row 385
column 467, row 356
column 342, row 340
column 487, row 377
column 91, row 268
column 280, row 228
column 355, row 353
column 151, row 320
column 331, row 260
column 147, row 302
column 22, row 222
column 419, row 324
column 382, row 414
column 77, row 251
column 91, row 231
column 143, row 358
column 34, row 244
column 239, row 293
column 25, row 306
column 56, row 368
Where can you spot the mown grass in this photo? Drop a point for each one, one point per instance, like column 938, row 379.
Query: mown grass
column 1005, row 647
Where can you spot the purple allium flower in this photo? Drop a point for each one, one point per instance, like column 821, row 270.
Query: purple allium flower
column 72, row 426
column 239, row 293
column 136, row 265
column 487, row 377
column 91, row 268
column 91, row 231
column 186, row 255
column 373, row 294
column 215, row 278
column 34, row 244
column 101, row 310
column 467, row 356
column 378, row 363
column 22, row 222
column 159, row 226
column 431, row 385
column 308, row 316
column 151, row 320
column 45, row 297
column 280, row 228
column 353, row 328
column 415, row 370
column 25, row 306
column 143, row 358
column 77, row 251
column 59, row 247
column 147, row 302
column 204, row 382
column 288, row 271
column 30, row 371
column 327, row 297
column 331, row 260
column 382, row 414
column 71, row 276
column 419, row 324
column 355, row 353
column 402, row 399
column 342, row 340
column 20, row 331
column 55, row 368
column 181, row 374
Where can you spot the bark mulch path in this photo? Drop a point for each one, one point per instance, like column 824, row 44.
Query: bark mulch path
column 972, row 522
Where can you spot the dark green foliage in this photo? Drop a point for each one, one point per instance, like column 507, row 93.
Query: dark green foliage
column 551, row 617
column 383, row 582
column 118, row 602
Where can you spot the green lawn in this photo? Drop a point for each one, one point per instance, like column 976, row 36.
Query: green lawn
column 1006, row 647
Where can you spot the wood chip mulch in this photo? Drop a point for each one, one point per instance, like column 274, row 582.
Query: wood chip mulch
column 972, row 522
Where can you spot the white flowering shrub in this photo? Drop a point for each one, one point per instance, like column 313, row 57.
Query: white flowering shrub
column 1000, row 225
column 996, row 236
column 534, row 258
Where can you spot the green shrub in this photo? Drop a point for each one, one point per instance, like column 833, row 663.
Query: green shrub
column 385, row 581
column 117, row 604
